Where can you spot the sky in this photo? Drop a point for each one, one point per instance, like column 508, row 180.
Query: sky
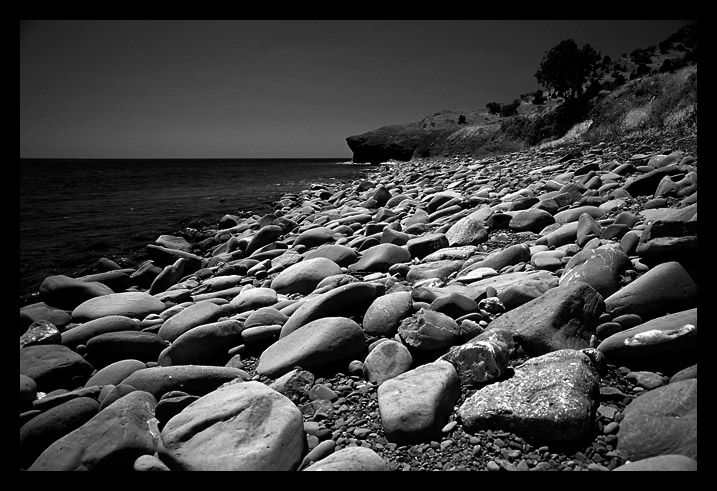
column 275, row 88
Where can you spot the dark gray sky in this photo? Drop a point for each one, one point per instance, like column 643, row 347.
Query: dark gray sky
column 275, row 88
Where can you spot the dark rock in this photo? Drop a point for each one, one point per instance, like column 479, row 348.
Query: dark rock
column 192, row 379
column 105, row 349
column 54, row 366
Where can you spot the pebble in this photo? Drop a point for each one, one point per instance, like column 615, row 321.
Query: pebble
column 443, row 247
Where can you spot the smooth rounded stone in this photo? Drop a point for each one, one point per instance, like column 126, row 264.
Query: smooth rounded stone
column 457, row 253
column 533, row 220
column 511, row 255
column 115, row 373
column 476, row 274
column 254, row 298
column 164, row 256
column 173, row 242
column 340, row 254
column 129, row 304
column 483, row 358
column 117, row 392
column 201, row 312
column 415, row 405
column 684, row 374
column 614, row 231
column 684, row 214
column 265, row 316
column 662, row 421
column 264, row 236
column 63, row 292
column 380, row 257
column 607, row 329
column 600, row 268
column 149, row 463
column 646, row 184
column 672, row 462
column 428, row 330
column 53, row 366
column 314, row 345
column 588, row 228
column 334, row 281
column 260, row 333
column 172, row 404
column 550, row 260
column 40, row 311
column 303, row 277
column 352, row 459
column 44, row 429
column 316, row 236
column 40, row 332
column 441, row 270
column 192, row 379
column 168, row 277
column 419, row 217
column 666, row 287
column 105, row 349
column 563, row 234
column 573, row 214
column 207, row 344
column 503, row 282
column 549, row 399
column 243, row 426
column 419, row 247
column 663, row 241
column 391, row 236
column 454, row 305
column 28, row 392
column 564, row 317
column 386, row 312
column 469, row 230
column 387, row 360
column 110, row 441
column 82, row 333
column 144, row 274
column 666, row 343
column 341, row 301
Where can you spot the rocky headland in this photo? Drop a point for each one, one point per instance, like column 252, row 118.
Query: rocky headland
column 530, row 311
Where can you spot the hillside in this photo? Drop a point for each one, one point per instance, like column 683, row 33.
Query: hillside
column 649, row 89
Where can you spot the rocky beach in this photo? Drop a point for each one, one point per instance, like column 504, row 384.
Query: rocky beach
column 529, row 311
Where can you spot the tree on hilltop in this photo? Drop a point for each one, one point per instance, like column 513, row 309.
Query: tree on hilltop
column 566, row 68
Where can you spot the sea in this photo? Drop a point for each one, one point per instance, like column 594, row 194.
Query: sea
column 75, row 211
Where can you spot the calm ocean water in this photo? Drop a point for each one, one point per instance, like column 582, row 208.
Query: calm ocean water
column 73, row 212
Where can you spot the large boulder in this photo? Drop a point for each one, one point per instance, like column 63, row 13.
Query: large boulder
column 550, row 399
column 386, row 312
column 303, row 277
column 563, row 317
column 601, row 268
column 54, row 366
column 63, row 292
column 386, row 360
column 241, row 426
column 129, row 304
column 208, row 344
column 381, row 257
column 82, row 333
column 111, row 441
column 202, row 312
column 193, row 379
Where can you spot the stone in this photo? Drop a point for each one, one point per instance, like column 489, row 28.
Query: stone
column 40, row 311
column 173, row 242
column 428, row 330
column 381, row 257
column 667, row 287
column 245, row 426
column 254, row 298
column 207, row 344
column 341, row 301
column 265, row 316
column 149, row 463
column 588, row 228
column 386, row 312
column 164, row 256
column 340, row 254
column 550, row 399
column 673, row 462
column 53, row 366
column 264, row 236
column 319, row 343
column 63, row 292
column 40, row 332
column 192, row 379
column 662, row 421
column 562, row 235
column 469, row 230
column 573, row 214
column 419, row 247
column 303, row 277
column 44, row 429
column 105, row 349
column 415, row 405
column 115, row 373
column 483, row 358
column 515, row 288
column 667, row 343
column 665, row 241
column 28, row 392
column 563, row 317
column 111, row 441
column 511, row 255
column 533, row 220
column 440, row 269
column 168, row 277
column 454, row 305
column 315, row 237
column 351, row 459
column 385, row 361
column 646, row 184
column 82, row 333
column 294, row 384
column 202, row 312
column 129, row 304
column 601, row 268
